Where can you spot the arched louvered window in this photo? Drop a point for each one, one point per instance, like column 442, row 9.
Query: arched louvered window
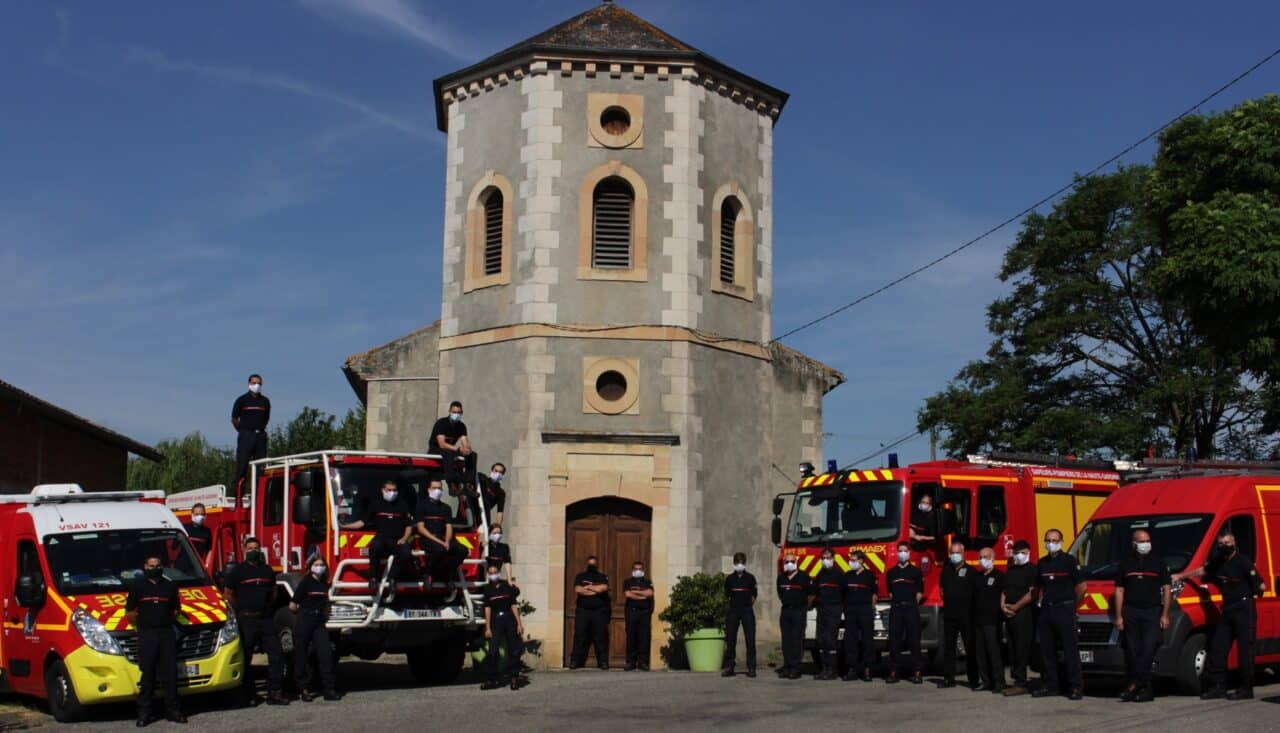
column 612, row 208
column 493, row 232
column 728, row 239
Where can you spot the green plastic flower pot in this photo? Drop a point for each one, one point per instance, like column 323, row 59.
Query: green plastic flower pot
column 705, row 650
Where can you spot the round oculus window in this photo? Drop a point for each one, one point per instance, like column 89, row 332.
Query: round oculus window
column 611, row 385
column 615, row 120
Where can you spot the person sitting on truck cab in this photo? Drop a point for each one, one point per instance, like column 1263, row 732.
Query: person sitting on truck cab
column 1237, row 579
column 450, row 441
column 389, row 518
column 435, row 525
column 199, row 535
column 495, row 497
column 924, row 528
column 251, row 591
column 152, row 607
column 310, row 605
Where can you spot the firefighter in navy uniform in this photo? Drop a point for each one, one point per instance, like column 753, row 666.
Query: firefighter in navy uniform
column 925, row 524
column 591, row 615
column 251, row 588
column 958, row 585
column 499, row 551
column 829, row 599
column 250, row 415
column 1237, row 578
column 198, row 535
column 1143, row 597
column 741, row 589
column 388, row 516
column 906, row 592
column 152, row 607
column 795, row 592
column 859, row 586
column 1016, row 607
column 311, row 608
column 988, row 596
column 1061, row 588
column 502, row 627
column 435, row 526
column 638, row 590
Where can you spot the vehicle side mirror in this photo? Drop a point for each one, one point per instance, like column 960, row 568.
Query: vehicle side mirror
column 303, row 509
column 778, row 503
column 775, row 530
column 31, row 591
column 304, row 481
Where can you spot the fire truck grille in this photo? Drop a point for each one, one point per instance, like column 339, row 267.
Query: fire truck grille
column 195, row 643
column 1095, row 633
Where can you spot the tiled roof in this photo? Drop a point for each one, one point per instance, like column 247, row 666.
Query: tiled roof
column 57, row 414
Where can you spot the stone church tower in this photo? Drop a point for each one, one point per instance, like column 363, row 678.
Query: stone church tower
column 606, row 311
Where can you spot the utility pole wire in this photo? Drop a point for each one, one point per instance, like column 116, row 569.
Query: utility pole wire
column 957, row 250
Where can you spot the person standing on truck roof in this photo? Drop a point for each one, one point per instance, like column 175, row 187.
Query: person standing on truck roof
column 1061, row 589
column 435, row 525
column 829, row 598
column 388, row 515
column 310, row 606
column 860, row 586
column 449, row 439
column 1237, row 578
column 1142, row 612
column 502, row 627
column 591, row 615
column 1016, row 606
column 958, row 583
column 741, row 589
column 249, row 416
column 495, row 497
column 499, row 551
column 152, row 607
column 988, row 596
column 906, row 593
column 795, row 591
column 924, row 528
column 199, row 535
column 251, row 589
column 638, row 590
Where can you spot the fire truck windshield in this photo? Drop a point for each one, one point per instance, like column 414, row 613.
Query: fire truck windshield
column 1104, row 542
column 356, row 484
column 867, row 512
column 94, row 562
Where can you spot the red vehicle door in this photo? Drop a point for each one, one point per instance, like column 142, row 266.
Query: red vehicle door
column 270, row 518
column 23, row 648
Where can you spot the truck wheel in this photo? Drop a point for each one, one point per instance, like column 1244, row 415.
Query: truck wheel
column 1193, row 660
column 63, row 703
column 440, row 663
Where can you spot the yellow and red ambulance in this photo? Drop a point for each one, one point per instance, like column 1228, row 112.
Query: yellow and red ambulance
column 67, row 561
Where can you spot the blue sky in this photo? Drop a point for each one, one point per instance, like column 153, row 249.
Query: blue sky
column 193, row 191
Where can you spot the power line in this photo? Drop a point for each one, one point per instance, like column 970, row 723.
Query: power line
column 957, row 250
column 912, row 435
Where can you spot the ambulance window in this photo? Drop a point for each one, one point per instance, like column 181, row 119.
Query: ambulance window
column 273, row 512
column 992, row 517
column 1241, row 526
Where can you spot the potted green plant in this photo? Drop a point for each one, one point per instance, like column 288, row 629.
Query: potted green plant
column 695, row 615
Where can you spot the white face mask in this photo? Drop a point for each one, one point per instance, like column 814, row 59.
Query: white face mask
column 855, row 565
column 197, row 519
column 1053, row 547
column 957, row 558
column 827, row 562
column 496, row 476
column 496, row 536
column 925, row 507
column 739, row 568
column 318, row 570
column 1143, row 548
column 637, row 573
column 790, row 567
column 986, row 563
column 434, row 493
column 1021, row 558
column 455, row 416
column 255, row 388
column 389, row 495
column 493, row 577
column 903, row 555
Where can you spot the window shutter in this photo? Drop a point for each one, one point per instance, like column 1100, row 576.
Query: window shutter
column 493, row 233
column 611, row 225
column 728, row 222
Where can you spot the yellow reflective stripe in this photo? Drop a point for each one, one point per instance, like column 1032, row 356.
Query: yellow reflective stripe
column 978, row 477
column 364, row 541
column 342, row 541
column 196, row 614
column 853, row 477
column 464, row 542
column 804, row 561
column 844, row 565
column 886, row 474
column 1100, row 600
column 116, row 620
column 874, row 559
column 869, row 475
column 813, row 571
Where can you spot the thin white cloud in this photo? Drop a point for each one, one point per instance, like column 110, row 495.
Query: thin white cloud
column 399, row 17
column 274, row 81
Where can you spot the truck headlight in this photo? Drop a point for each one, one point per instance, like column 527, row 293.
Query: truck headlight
column 229, row 632
column 95, row 635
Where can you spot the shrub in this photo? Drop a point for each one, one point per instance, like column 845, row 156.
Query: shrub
column 697, row 602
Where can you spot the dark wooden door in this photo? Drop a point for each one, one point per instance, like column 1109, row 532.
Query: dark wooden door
column 617, row 531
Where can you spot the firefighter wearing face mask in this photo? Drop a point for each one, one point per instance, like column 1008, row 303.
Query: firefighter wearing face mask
column 152, row 607
column 250, row 415
column 502, row 627
column 1142, row 611
column 1061, row 588
column 829, row 599
column 740, row 587
column 435, row 526
column 1016, row 608
column 906, row 592
column 958, row 583
column 500, row 552
column 638, row 590
column 388, row 516
column 199, row 535
column 795, row 593
column 251, row 588
column 591, row 615
column 860, row 590
column 310, row 606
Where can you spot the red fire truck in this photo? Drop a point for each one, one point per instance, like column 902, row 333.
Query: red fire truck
column 295, row 505
column 66, row 563
column 1184, row 509
column 985, row 501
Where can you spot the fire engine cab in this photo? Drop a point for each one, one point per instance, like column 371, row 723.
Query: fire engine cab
column 66, row 565
column 985, row 501
column 295, row 506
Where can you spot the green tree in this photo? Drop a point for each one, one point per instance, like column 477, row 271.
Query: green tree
column 1215, row 194
column 313, row 430
column 190, row 463
column 1087, row 357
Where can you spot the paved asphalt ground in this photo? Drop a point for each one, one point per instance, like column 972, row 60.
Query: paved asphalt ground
column 382, row 696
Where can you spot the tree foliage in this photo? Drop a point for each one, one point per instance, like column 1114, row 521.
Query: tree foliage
column 697, row 602
column 313, row 429
column 1088, row 358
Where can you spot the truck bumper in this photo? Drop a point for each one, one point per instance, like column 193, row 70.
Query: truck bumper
column 106, row 678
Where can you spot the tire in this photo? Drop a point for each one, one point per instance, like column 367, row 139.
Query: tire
column 440, row 663
column 1193, row 661
column 61, row 694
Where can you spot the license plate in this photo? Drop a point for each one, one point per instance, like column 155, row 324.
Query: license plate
column 420, row 613
column 1086, row 657
column 188, row 670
